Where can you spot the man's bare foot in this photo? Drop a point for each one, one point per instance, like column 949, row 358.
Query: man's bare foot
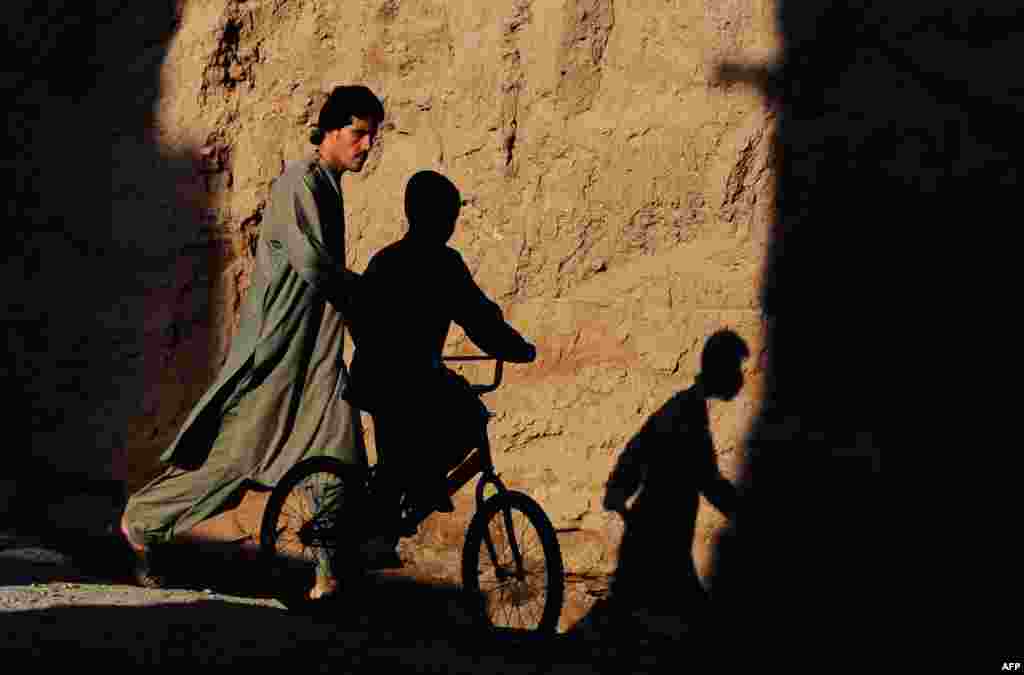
column 138, row 548
column 249, row 550
column 143, row 571
column 325, row 587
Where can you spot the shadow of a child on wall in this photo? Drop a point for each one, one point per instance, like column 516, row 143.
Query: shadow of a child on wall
column 665, row 468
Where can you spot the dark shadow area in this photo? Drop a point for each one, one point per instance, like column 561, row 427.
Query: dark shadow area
column 104, row 254
column 369, row 632
column 76, row 552
column 664, row 469
column 25, row 561
column 895, row 122
column 386, row 624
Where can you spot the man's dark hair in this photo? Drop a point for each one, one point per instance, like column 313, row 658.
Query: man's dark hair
column 344, row 103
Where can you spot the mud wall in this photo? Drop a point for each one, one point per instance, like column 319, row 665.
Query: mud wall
column 619, row 207
column 94, row 226
column 618, row 198
column 618, row 201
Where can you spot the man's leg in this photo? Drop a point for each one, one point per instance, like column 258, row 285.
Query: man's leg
column 171, row 504
column 151, row 512
column 179, row 499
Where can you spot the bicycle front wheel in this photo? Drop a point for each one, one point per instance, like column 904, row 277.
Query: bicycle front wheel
column 512, row 565
column 299, row 533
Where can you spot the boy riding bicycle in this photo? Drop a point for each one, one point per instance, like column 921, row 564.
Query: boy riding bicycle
column 425, row 417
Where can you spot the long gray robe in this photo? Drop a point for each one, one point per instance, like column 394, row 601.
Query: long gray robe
column 277, row 399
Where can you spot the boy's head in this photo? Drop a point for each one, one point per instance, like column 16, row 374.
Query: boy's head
column 721, row 373
column 432, row 204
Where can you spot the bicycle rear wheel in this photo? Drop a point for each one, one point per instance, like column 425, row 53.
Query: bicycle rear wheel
column 512, row 565
column 299, row 533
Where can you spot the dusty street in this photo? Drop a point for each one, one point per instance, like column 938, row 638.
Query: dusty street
column 407, row 619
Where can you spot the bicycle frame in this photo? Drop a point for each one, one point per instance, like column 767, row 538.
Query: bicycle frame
column 480, row 461
column 492, row 529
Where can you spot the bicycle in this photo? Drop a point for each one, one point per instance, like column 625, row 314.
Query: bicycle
column 518, row 578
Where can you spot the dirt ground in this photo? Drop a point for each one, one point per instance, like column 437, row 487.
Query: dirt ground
column 409, row 617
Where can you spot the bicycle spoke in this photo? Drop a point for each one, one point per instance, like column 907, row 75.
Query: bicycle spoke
column 287, row 525
column 508, row 611
column 308, row 506
column 515, row 597
column 299, row 527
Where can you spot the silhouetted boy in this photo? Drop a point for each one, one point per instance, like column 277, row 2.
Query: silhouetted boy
column 667, row 465
column 425, row 417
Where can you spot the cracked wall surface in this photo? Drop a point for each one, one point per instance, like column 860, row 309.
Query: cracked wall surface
column 617, row 205
column 617, row 202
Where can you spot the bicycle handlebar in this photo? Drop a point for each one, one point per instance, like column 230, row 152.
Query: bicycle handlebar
column 479, row 389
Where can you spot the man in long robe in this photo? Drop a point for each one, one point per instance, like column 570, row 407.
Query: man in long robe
column 278, row 398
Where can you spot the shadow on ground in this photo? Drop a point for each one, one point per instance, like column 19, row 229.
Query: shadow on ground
column 219, row 631
column 53, row 606
column 395, row 625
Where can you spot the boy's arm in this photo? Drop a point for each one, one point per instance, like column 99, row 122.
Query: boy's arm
column 713, row 485
column 631, row 469
column 483, row 320
column 629, row 473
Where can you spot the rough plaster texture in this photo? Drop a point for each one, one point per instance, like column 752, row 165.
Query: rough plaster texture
column 133, row 214
column 617, row 205
column 618, row 198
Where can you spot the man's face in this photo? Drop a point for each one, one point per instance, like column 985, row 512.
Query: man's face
column 346, row 149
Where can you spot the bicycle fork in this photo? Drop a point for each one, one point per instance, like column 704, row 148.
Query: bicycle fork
column 489, row 477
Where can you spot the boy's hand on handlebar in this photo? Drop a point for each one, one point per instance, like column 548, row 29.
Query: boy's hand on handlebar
column 527, row 355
